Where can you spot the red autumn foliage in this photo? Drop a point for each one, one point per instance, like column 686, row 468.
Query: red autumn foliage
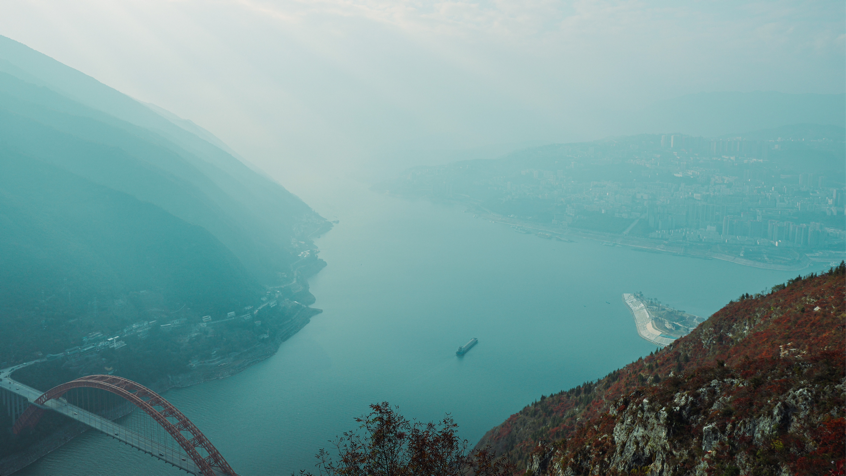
column 387, row 444
column 759, row 350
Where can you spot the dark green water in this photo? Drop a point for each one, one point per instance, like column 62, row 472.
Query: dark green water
column 407, row 283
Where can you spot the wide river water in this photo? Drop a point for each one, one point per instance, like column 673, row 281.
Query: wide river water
column 407, row 283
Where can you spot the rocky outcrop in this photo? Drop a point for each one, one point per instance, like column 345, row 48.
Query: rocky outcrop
column 706, row 425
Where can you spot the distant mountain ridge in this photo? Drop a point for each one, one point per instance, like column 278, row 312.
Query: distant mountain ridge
column 251, row 200
column 719, row 113
column 796, row 132
column 758, row 388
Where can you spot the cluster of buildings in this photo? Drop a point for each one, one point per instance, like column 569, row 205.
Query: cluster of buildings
column 97, row 341
column 783, row 233
column 670, row 187
column 92, row 343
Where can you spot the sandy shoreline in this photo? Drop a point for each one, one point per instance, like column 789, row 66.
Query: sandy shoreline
column 643, row 321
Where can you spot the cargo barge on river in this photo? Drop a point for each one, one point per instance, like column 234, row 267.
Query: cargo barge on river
column 466, row 347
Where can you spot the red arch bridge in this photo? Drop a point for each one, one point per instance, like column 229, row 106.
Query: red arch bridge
column 161, row 430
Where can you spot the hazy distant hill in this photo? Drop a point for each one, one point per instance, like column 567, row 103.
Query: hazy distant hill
column 63, row 234
column 251, row 214
column 796, row 132
column 715, row 114
column 102, row 196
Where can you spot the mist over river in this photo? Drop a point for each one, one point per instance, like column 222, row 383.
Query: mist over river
column 406, row 284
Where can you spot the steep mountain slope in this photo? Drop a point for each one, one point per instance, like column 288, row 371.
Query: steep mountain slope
column 252, row 215
column 103, row 198
column 67, row 242
column 758, row 388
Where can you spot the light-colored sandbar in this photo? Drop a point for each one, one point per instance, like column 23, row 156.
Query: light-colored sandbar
column 644, row 322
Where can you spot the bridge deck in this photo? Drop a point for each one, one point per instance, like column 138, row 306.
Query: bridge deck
column 118, row 432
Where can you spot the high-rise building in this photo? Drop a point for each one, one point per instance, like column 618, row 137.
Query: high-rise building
column 815, row 236
column 806, row 180
column 778, row 231
column 799, row 234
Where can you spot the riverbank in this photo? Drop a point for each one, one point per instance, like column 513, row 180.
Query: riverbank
column 235, row 364
column 718, row 251
column 702, row 251
column 227, row 367
column 297, row 290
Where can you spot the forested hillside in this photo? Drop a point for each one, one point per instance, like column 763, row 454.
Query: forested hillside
column 103, row 198
column 757, row 389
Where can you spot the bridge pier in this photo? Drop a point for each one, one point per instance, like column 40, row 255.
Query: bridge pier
column 15, row 404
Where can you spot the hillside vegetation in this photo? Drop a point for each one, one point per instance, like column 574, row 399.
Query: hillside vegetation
column 130, row 240
column 103, row 198
column 757, row 389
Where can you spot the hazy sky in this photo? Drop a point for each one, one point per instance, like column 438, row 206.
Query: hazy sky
column 291, row 81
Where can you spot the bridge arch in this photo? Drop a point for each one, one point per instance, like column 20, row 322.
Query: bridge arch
column 153, row 405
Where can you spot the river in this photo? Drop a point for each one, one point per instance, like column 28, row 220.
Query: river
column 407, row 282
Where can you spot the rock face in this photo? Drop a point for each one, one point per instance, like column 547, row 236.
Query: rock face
column 758, row 389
